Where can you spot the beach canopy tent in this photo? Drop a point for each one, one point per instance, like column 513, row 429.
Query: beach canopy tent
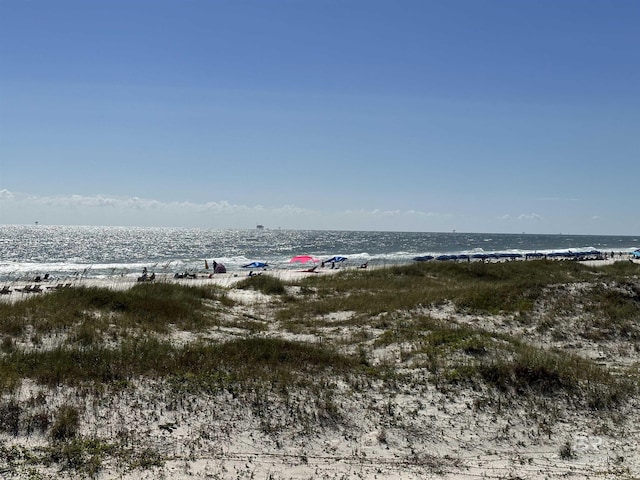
column 304, row 259
column 636, row 253
column 256, row 265
column 220, row 268
column 423, row 258
column 510, row 255
column 336, row 260
column 586, row 254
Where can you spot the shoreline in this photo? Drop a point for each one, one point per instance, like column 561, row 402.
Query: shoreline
column 71, row 253
column 20, row 289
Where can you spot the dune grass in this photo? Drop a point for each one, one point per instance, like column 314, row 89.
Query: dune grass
column 459, row 353
column 149, row 307
column 267, row 284
column 146, row 312
column 242, row 361
column 484, row 288
column 116, row 340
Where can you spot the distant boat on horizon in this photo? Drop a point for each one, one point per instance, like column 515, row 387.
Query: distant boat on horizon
column 260, row 227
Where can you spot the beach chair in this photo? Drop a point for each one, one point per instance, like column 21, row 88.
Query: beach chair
column 5, row 290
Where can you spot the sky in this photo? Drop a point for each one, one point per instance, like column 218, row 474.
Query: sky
column 503, row 116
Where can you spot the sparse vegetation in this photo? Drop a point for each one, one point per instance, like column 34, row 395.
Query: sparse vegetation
column 295, row 360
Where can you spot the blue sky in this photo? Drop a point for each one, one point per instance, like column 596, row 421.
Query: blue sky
column 468, row 115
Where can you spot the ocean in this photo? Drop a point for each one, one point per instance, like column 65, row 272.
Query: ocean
column 98, row 252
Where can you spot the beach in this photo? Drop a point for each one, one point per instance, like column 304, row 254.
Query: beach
column 202, row 277
column 340, row 426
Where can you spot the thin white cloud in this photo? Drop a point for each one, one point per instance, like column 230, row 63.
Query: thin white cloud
column 100, row 202
column 529, row 216
column 394, row 213
column 292, row 210
column 521, row 217
column 222, row 207
column 6, row 194
column 136, row 211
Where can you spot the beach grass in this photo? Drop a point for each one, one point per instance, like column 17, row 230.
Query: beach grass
column 510, row 287
column 323, row 331
column 140, row 316
column 267, row 284
column 147, row 307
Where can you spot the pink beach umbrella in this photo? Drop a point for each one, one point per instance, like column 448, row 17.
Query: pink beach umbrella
column 304, row 259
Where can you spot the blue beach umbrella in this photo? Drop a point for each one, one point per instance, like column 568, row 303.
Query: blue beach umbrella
column 510, row 255
column 336, row 259
column 256, row 265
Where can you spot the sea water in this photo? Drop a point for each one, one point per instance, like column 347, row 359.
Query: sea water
column 95, row 252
